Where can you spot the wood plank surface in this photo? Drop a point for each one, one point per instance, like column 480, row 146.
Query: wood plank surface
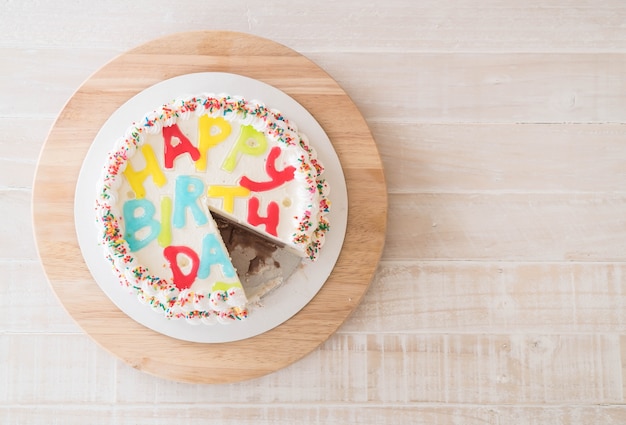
column 428, row 25
column 500, row 296
column 481, row 87
column 502, row 158
column 266, row 414
column 497, row 296
column 509, row 227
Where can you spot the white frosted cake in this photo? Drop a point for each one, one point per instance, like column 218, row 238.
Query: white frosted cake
column 182, row 164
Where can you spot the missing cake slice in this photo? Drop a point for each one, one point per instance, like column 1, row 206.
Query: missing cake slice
column 262, row 264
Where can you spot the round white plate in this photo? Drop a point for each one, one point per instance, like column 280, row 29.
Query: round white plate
column 278, row 306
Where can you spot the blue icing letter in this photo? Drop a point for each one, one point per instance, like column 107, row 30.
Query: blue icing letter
column 213, row 253
column 188, row 190
column 134, row 223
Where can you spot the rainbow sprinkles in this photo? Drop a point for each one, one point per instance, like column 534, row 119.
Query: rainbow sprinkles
column 190, row 159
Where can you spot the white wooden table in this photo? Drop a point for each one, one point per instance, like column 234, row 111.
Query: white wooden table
column 502, row 290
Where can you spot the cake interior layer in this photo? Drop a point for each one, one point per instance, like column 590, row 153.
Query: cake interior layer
column 262, row 264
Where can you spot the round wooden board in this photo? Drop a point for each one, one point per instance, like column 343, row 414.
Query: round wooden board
column 76, row 128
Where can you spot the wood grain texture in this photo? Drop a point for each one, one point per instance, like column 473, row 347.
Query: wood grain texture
column 318, row 415
column 487, row 297
column 428, row 25
column 507, row 227
column 501, row 130
column 487, row 87
column 483, row 87
column 76, row 126
column 403, row 369
column 39, row 311
column 17, row 238
column 502, row 158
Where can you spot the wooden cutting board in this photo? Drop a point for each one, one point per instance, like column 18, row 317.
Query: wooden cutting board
column 75, row 129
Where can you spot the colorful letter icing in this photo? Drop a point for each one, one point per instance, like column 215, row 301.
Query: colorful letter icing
column 139, row 215
column 214, row 254
column 270, row 220
column 152, row 168
column 182, row 280
column 228, row 194
column 250, row 142
column 188, row 191
column 277, row 178
column 165, row 235
column 211, row 132
column 244, row 161
column 172, row 151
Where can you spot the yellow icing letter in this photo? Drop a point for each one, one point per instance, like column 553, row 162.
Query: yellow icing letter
column 165, row 235
column 229, row 193
column 211, row 132
column 250, row 142
column 136, row 178
column 222, row 286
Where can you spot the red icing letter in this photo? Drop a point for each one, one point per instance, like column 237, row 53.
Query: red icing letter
column 271, row 221
column 183, row 146
column 277, row 177
column 181, row 280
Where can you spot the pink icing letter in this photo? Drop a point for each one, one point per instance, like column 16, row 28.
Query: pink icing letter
column 271, row 221
column 182, row 280
column 277, row 177
column 183, row 146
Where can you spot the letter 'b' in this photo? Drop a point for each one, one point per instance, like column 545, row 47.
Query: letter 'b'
column 134, row 223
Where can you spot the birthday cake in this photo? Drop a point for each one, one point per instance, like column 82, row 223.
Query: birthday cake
column 187, row 164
